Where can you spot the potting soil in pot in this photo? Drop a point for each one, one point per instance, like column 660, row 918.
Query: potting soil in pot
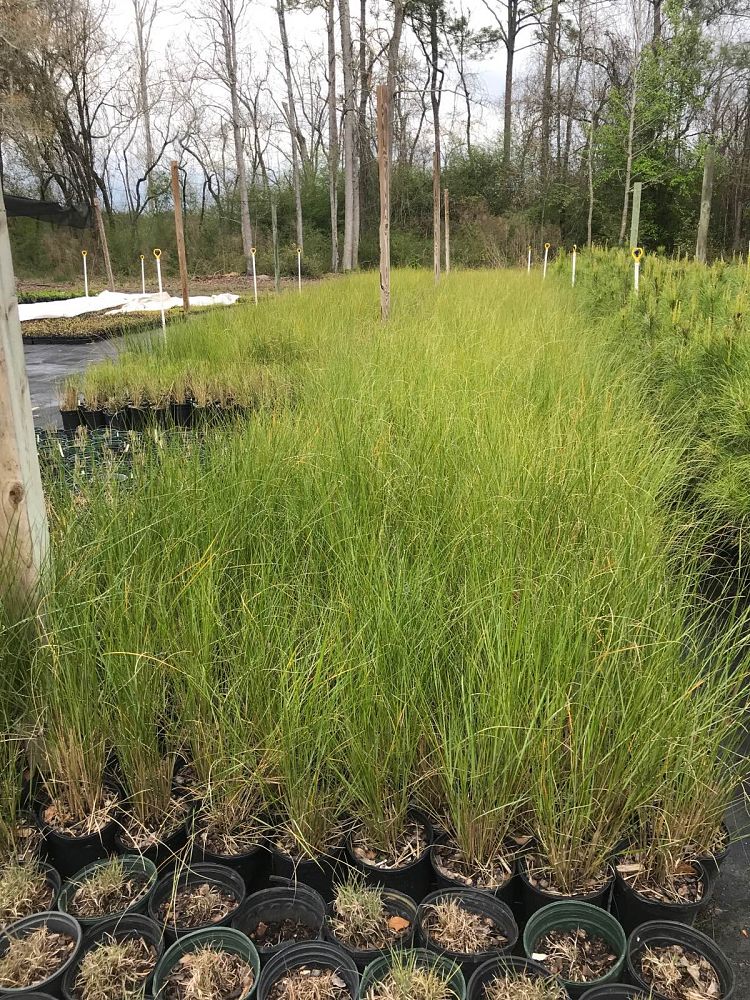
column 110, row 889
column 209, row 974
column 523, row 987
column 32, row 958
column 408, row 982
column 410, row 846
column 361, row 918
column 113, row 970
column 274, row 932
column 679, row 973
column 458, row 929
column 575, row 955
column 308, row 983
column 541, row 876
column 197, row 906
column 452, row 864
column 24, row 890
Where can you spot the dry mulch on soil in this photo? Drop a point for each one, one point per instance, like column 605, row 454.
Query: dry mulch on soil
column 542, row 877
column 307, row 983
column 680, row 974
column 452, row 864
column 98, row 897
column 114, row 970
column 269, row 934
column 209, row 974
column 197, row 906
column 684, row 886
column 575, row 955
column 140, row 836
column 456, row 928
column 214, row 836
column 410, row 846
column 385, row 935
column 32, row 958
column 56, row 816
column 24, row 890
column 524, row 987
column 27, row 843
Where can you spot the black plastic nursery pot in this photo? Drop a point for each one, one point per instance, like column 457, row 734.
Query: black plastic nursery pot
column 615, row 991
column 507, row 891
column 122, row 928
column 181, row 414
column 59, row 923
column 414, row 879
column 71, row 419
column 69, row 853
column 423, row 959
column 253, row 865
column 132, row 864
column 661, row 933
column 632, row 908
column 163, row 852
column 319, row 873
column 569, row 915
column 398, row 904
column 713, row 862
column 291, row 901
column 504, row 965
column 219, row 939
column 222, row 878
column 92, row 419
column 474, row 901
column 533, row 898
column 310, row 954
column 54, row 882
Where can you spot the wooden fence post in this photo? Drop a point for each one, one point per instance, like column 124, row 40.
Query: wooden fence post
column 447, row 214
column 180, row 234
column 701, row 243
column 384, row 165
column 104, row 245
column 24, row 535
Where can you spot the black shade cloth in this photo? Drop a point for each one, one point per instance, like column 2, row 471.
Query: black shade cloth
column 76, row 216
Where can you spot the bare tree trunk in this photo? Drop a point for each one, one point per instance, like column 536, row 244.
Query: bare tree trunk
column 435, row 92
column 508, row 102
column 547, row 92
column 394, row 45
column 701, row 244
column 291, row 119
column 590, row 166
column 145, row 14
column 629, row 158
column 333, row 136
column 348, row 261
column 229, row 38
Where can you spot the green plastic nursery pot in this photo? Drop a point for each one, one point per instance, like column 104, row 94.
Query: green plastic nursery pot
column 661, row 933
column 312, row 955
column 567, row 916
column 422, row 958
column 58, row 923
column 132, row 863
column 221, row 938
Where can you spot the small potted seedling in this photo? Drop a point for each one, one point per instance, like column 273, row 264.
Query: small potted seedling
column 35, row 953
column 116, row 961
column 201, row 896
column 468, row 925
column 416, row 974
column 314, row 970
column 104, row 889
column 671, row 961
column 69, row 408
column 510, row 978
column 367, row 920
column 282, row 915
column 211, row 964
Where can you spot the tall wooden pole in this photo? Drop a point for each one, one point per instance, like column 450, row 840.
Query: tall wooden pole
column 24, row 535
column 436, row 248
column 103, row 244
column 701, row 243
column 384, row 167
column 635, row 214
column 447, row 214
column 180, row 234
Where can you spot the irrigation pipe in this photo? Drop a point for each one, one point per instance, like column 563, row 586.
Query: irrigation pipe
column 84, row 254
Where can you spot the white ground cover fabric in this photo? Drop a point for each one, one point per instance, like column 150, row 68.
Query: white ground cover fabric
column 117, row 302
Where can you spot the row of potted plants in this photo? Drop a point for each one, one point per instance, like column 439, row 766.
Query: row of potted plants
column 369, row 943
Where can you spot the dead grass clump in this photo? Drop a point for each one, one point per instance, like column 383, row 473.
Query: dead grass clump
column 24, row 890
column 307, row 983
column 523, row 987
column 209, row 974
column 458, row 929
column 115, row 970
column 32, row 958
column 109, row 889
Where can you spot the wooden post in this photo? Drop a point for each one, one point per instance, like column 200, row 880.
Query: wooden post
column 635, row 214
column 701, row 243
column 180, row 234
column 104, row 245
column 384, row 169
column 24, row 535
column 447, row 213
column 436, row 248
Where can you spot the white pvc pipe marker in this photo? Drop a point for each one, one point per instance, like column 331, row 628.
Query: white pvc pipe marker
column 157, row 256
column 143, row 275
column 528, row 262
column 299, row 269
column 573, row 275
column 637, row 257
column 255, row 277
column 546, row 257
column 84, row 254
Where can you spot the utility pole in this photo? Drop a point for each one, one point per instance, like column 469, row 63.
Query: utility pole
column 635, row 214
column 24, row 535
column 384, row 164
column 180, row 234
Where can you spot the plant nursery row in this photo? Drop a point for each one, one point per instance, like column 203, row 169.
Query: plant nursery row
column 430, row 619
